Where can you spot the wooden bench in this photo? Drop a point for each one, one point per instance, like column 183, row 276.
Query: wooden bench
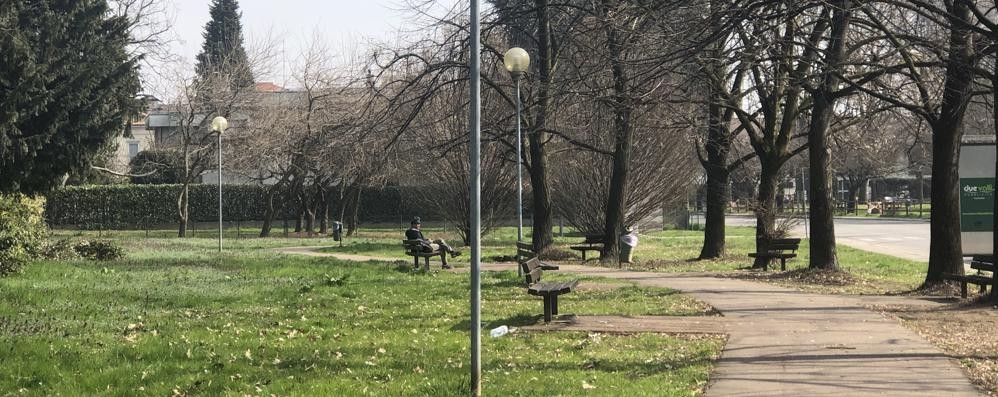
column 525, row 252
column 549, row 291
column 779, row 248
column 594, row 242
column 979, row 263
column 414, row 248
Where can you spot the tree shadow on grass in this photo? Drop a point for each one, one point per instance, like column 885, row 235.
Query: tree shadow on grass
column 518, row 320
column 633, row 369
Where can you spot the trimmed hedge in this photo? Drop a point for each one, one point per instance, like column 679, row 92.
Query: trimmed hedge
column 145, row 206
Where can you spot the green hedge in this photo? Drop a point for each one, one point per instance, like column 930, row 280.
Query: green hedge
column 146, row 206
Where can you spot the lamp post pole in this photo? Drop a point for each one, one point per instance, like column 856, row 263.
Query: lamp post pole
column 516, row 60
column 475, row 119
column 219, row 191
column 219, row 124
column 519, row 166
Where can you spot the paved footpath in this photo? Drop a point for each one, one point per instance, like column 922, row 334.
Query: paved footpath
column 783, row 342
column 787, row 343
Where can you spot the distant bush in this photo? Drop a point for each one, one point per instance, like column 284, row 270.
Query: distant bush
column 22, row 230
column 108, row 207
column 60, row 250
column 99, row 250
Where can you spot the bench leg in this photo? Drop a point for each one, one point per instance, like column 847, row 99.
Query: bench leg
column 443, row 258
column 554, row 305
column 583, row 255
column 783, row 264
column 415, row 263
column 547, row 308
column 963, row 289
column 427, row 263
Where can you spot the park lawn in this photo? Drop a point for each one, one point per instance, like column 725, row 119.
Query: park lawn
column 175, row 318
column 675, row 251
column 497, row 246
column 868, row 272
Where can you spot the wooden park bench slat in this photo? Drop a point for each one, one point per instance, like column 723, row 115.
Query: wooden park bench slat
column 981, row 281
column 594, row 242
column 781, row 248
column 525, row 251
column 979, row 263
column 985, row 266
column 548, row 291
column 414, row 248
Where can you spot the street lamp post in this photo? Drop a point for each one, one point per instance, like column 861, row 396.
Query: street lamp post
column 517, row 61
column 219, row 124
column 475, row 132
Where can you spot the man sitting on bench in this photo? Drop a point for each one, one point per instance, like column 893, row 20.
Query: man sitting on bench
column 414, row 233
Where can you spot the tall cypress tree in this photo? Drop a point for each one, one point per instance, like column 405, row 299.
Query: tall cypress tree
column 222, row 51
column 66, row 88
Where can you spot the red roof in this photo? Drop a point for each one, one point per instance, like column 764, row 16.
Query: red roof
column 268, row 87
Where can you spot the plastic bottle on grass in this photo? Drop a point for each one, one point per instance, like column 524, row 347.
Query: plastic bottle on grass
column 499, row 331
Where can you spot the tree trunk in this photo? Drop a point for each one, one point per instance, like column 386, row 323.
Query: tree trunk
column 343, row 202
column 353, row 220
column 822, row 231
column 714, row 217
column 543, row 220
column 183, row 209
column 718, row 146
column 322, row 210
column 616, row 206
column 716, row 167
column 945, row 251
column 765, row 211
column 268, row 215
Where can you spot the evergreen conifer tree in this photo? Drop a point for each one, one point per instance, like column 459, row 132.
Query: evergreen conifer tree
column 222, row 51
column 66, row 88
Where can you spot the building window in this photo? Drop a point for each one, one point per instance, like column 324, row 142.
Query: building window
column 133, row 150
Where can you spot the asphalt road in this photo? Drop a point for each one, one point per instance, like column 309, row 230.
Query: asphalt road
column 907, row 239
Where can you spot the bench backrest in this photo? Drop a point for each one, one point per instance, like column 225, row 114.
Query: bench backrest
column 594, row 239
column 783, row 244
column 982, row 265
column 412, row 246
column 533, row 271
column 524, row 251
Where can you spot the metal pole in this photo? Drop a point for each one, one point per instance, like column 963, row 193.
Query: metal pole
column 219, row 191
column 475, row 119
column 519, row 167
column 803, row 203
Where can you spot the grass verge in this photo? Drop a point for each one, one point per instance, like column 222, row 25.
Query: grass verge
column 175, row 318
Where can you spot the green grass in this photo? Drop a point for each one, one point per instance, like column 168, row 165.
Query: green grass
column 672, row 251
column 675, row 251
column 861, row 212
column 176, row 318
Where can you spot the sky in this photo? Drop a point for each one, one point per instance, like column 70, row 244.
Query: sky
column 344, row 25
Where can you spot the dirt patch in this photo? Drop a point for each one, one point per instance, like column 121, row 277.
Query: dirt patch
column 967, row 331
column 714, row 325
column 823, row 282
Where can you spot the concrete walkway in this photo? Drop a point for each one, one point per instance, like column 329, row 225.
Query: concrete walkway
column 783, row 342
column 788, row 343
